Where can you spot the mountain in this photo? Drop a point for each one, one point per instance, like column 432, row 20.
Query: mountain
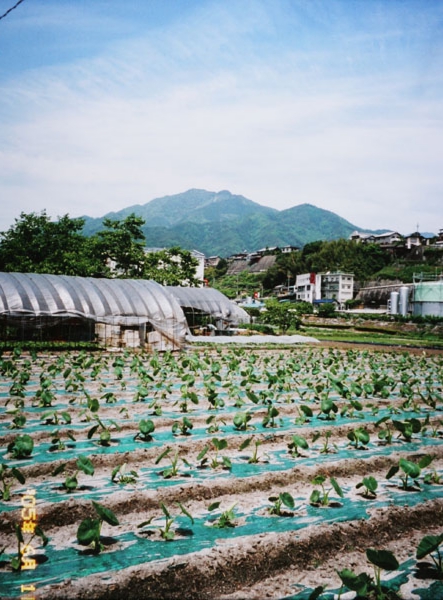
column 221, row 223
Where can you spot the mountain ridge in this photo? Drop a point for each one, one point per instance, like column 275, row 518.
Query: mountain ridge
column 222, row 223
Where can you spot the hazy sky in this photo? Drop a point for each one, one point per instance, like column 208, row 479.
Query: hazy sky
column 338, row 103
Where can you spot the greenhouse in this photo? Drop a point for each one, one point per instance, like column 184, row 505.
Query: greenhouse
column 207, row 309
column 112, row 312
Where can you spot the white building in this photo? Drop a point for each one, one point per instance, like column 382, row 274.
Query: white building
column 325, row 286
column 200, row 270
column 305, row 287
column 337, row 286
column 387, row 239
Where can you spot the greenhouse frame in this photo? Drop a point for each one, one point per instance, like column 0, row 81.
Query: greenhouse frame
column 207, row 310
column 109, row 312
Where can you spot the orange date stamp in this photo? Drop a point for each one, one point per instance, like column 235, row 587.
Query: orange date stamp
column 28, row 525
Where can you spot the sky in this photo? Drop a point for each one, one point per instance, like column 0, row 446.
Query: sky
column 107, row 104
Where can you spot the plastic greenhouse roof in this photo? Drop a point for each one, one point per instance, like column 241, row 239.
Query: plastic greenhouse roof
column 209, row 301
column 112, row 301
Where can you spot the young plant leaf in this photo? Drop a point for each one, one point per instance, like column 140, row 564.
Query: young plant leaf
column 336, row 487
column 162, row 455
column 384, row 559
column 356, row 583
column 105, row 514
column 185, row 512
column 88, row 531
column 287, row 499
column 84, row 464
column 246, row 443
column 428, row 544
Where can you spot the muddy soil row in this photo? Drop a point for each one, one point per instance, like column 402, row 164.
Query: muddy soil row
column 268, row 565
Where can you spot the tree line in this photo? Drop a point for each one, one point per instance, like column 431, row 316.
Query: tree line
column 36, row 244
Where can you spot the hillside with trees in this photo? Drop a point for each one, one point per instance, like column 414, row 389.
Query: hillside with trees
column 368, row 262
column 35, row 244
column 221, row 223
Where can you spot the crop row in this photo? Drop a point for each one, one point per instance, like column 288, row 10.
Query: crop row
column 123, row 428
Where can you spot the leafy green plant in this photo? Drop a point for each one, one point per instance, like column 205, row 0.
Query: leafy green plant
column 57, row 442
column 145, row 428
column 321, row 498
column 386, row 433
column 407, row 428
column 83, row 463
column 212, row 393
column 122, row 476
column 433, row 428
column 105, row 431
column 272, row 413
column 156, row 407
column 7, row 475
column 328, row 409
column 433, row 477
column 44, row 394
column 166, row 532
column 172, row 471
column 109, row 397
column 359, row 437
column 226, row 518
column 369, row 485
column 410, row 470
column 21, row 447
column 89, row 529
column 366, row 586
column 187, row 393
column 241, row 420
column 283, row 498
column 254, row 459
column 216, row 460
column 19, row 419
column 304, row 414
column 297, row 442
column 327, row 447
column 214, row 424
column 430, row 546
column 54, row 417
column 21, row 558
column 182, row 427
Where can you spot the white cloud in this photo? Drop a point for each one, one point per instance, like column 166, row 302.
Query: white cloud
column 220, row 100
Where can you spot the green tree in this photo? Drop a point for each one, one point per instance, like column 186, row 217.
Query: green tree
column 281, row 315
column 171, row 266
column 121, row 247
column 35, row 244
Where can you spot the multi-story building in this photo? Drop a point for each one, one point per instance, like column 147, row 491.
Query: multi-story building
column 337, row 286
column 305, row 286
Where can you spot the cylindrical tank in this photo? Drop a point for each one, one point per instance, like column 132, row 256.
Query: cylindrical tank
column 394, row 303
column 403, row 301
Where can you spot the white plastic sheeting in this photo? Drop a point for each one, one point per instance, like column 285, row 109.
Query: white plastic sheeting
column 126, row 302
column 211, row 302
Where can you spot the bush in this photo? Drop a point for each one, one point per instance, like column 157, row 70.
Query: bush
column 260, row 327
column 326, row 310
column 282, row 315
column 303, row 308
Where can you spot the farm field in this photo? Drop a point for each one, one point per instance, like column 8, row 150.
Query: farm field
column 222, row 473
